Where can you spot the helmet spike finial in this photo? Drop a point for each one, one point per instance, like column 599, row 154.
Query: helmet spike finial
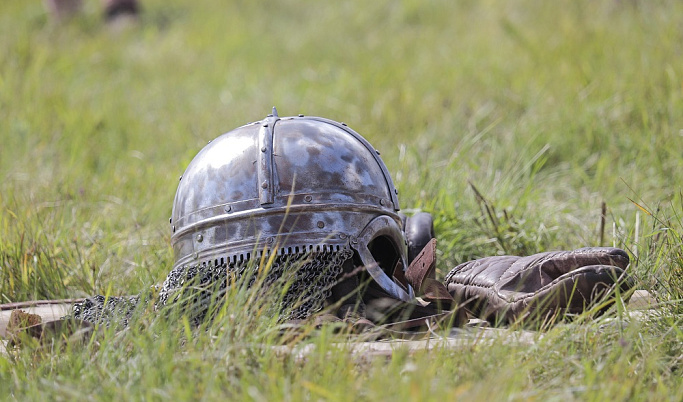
column 275, row 112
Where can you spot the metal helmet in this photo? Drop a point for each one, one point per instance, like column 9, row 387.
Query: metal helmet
column 290, row 185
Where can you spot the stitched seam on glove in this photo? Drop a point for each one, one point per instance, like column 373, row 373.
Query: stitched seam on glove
column 569, row 275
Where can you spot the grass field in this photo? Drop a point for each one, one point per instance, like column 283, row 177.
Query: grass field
column 549, row 109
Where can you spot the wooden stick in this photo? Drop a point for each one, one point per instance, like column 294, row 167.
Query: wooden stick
column 603, row 214
column 33, row 303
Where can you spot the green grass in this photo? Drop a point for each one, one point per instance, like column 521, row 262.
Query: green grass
column 547, row 108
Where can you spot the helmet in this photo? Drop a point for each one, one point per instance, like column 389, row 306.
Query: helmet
column 289, row 186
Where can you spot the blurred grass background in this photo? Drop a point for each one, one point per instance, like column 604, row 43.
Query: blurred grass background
column 547, row 108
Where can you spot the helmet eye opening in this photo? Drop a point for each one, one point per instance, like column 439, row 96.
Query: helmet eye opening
column 385, row 252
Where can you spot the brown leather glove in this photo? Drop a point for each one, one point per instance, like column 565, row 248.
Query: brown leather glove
column 539, row 287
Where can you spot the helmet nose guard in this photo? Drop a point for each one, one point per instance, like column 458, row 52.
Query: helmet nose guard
column 289, row 185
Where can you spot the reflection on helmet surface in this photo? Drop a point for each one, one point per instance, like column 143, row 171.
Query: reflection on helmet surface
column 298, row 189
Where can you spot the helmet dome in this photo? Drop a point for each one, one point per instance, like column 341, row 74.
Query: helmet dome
column 289, row 185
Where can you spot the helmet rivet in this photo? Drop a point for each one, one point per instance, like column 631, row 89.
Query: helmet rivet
column 265, row 124
column 264, row 184
column 263, row 149
column 200, row 238
column 342, row 236
column 170, row 220
column 377, row 151
column 354, row 240
column 381, row 201
column 321, row 224
column 196, row 256
column 180, row 178
column 396, row 191
column 308, row 198
column 173, row 228
column 301, row 115
column 227, row 209
column 343, row 124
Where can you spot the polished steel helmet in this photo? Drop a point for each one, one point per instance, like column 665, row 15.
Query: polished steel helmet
column 290, row 185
